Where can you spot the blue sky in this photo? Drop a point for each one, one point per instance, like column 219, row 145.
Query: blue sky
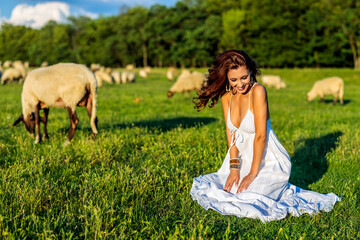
column 36, row 13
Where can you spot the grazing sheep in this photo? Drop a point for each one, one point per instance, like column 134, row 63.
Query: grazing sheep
column 7, row 64
column 273, row 81
column 131, row 76
column 20, row 66
column 173, row 69
column 170, row 75
column 94, row 67
column 147, row 69
column 64, row 85
column 128, row 77
column 328, row 86
column 187, row 82
column 44, row 64
column 10, row 75
column 142, row 73
column 102, row 75
column 130, row 67
column 116, row 75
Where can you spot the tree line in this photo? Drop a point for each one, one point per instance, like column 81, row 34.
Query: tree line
column 277, row 33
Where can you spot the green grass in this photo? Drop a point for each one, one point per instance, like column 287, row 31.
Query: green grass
column 134, row 180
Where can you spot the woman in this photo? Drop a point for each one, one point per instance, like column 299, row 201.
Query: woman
column 253, row 179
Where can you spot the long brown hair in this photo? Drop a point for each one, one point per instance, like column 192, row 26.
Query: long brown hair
column 216, row 80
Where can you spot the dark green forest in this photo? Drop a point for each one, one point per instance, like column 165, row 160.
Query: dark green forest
column 277, row 33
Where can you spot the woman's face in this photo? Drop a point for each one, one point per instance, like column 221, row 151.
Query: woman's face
column 239, row 79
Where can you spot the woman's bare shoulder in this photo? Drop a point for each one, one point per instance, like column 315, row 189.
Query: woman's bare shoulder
column 225, row 99
column 259, row 91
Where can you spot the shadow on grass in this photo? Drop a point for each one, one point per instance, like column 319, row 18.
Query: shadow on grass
column 163, row 125
column 309, row 162
column 330, row 101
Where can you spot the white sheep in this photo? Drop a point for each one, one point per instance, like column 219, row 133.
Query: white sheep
column 130, row 67
column 187, row 82
column 10, row 75
column 273, row 81
column 124, row 77
column 147, row 69
column 116, row 75
column 102, row 75
column 128, row 77
column 328, row 86
column 44, row 64
column 94, row 67
column 7, row 64
column 64, row 85
column 142, row 73
column 131, row 76
column 20, row 66
column 170, row 75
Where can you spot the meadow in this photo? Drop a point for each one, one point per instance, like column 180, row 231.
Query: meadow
column 133, row 181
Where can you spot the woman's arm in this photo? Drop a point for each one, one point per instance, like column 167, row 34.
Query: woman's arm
column 234, row 175
column 260, row 109
column 225, row 101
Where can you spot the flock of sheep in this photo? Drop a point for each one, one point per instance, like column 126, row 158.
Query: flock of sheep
column 68, row 85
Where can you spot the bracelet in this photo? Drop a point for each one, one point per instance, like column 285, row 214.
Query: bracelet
column 234, row 163
column 250, row 174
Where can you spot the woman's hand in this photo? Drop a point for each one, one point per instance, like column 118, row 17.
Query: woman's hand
column 245, row 183
column 233, row 177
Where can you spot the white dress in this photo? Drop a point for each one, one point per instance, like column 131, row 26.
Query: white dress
column 269, row 197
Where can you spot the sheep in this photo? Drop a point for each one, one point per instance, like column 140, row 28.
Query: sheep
column 44, row 64
column 10, row 75
column 187, row 82
column 130, row 67
column 116, row 75
column 124, row 77
column 20, row 66
column 63, row 85
column 102, row 75
column 94, row 67
column 7, row 64
column 273, row 81
column 142, row 73
column 131, row 76
column 170, row 75
column 147, row 69
column 328, row 86
column 128, row 77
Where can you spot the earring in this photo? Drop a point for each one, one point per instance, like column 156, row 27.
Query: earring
column 228, row 88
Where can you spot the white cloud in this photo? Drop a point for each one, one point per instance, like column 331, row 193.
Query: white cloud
column 81, row 12
column 38, row 15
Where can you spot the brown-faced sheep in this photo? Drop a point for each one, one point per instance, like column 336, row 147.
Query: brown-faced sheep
column 64, row 85
column 273, row 81
column 328, row 86
column 187, row 82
